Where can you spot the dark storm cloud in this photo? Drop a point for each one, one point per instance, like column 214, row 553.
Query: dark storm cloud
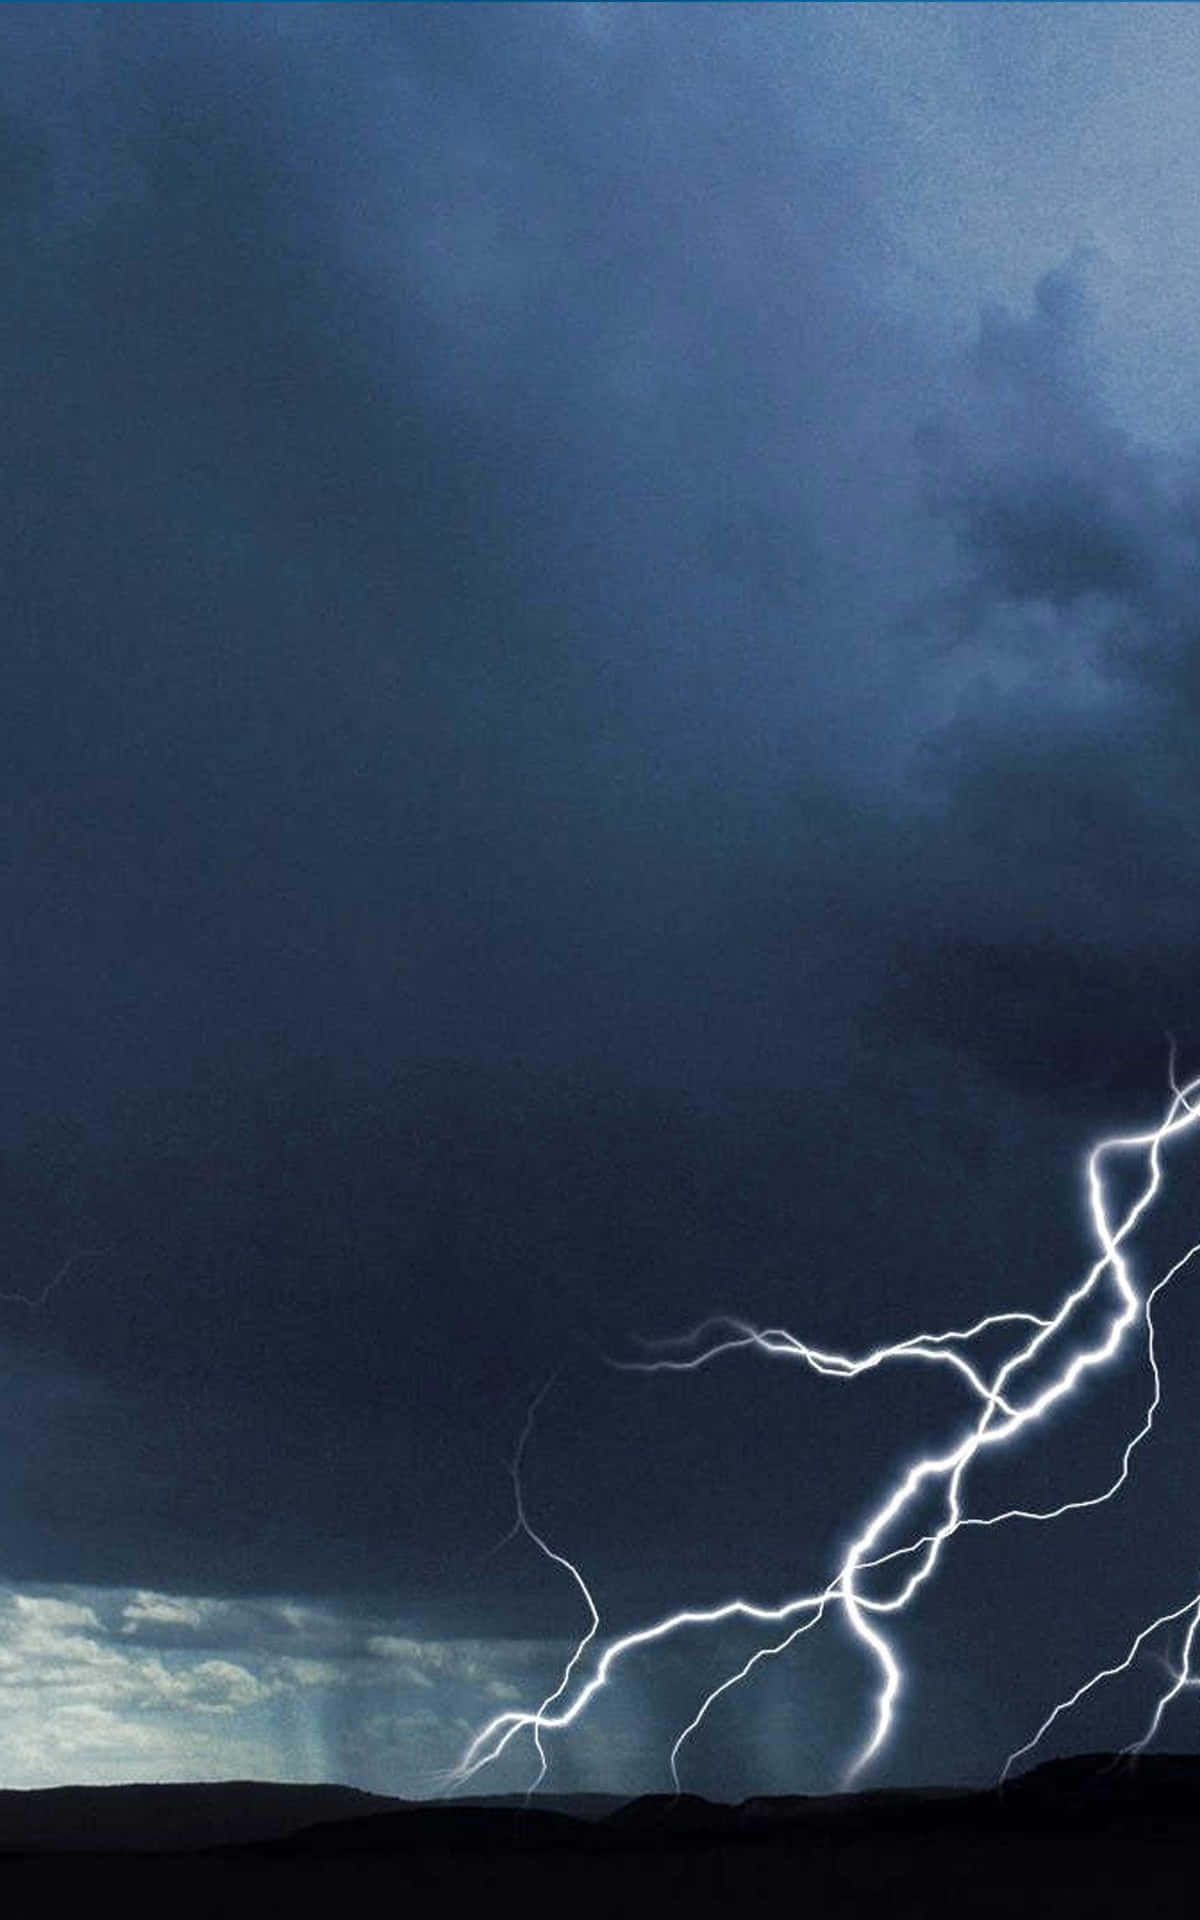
column 493, row 574
column 416, row 559
column 412, row 577
column 1049, row 499
column 296, row 1359
column 1061, row 925
column 433, row 570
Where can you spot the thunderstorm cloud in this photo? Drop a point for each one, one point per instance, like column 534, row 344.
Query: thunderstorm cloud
column 601, row 654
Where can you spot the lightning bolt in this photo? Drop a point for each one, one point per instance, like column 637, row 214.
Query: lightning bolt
column 35, row 1301
column 1049, row 1356
column 521, row 1525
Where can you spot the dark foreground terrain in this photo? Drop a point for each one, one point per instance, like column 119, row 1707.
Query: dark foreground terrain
column 1079, row 1837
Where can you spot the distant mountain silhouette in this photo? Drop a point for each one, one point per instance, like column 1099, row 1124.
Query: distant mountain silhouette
column 1093, row 1838
column 171, row 1818
column 1104, row 1777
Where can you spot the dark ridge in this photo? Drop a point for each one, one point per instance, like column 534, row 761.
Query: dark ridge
column 677, row 1814
column 1073, row 1796
column 1095, row 1838
column 581, row 1806
column 172, row 1818
column 1105, row 1780
column 444, row 1828
column 329, row 1821
column 340, row 1821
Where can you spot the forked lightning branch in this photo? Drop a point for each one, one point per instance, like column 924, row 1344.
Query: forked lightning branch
column 1048, row 1357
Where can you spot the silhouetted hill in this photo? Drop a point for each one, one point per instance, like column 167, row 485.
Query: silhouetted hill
column 446, row 1828
column 1085, row 1839
column 163, row 1819
column 580, row 1806
column 1095, row 1780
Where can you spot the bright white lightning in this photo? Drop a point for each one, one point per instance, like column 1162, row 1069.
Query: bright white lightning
column 1004, row 1412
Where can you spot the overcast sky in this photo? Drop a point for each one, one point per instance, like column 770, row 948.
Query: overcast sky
column 600, row 687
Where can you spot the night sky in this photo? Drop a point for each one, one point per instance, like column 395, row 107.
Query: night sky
column 600, row 685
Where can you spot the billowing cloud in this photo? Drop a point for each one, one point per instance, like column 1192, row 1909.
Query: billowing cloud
column 1060, row 795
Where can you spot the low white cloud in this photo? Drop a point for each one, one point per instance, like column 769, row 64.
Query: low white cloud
column 163, row 1610
column 118, row 1686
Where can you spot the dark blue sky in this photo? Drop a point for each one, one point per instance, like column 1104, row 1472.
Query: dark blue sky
column 600, row 681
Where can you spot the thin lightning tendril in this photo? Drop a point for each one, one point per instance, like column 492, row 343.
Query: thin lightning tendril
column 35, row 1301
column 521, row 1525
column 1008, row 1404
